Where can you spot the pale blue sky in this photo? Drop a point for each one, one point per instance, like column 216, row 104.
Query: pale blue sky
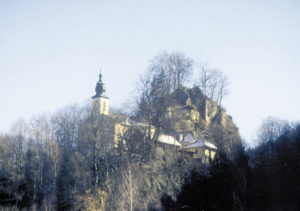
column 51, row 52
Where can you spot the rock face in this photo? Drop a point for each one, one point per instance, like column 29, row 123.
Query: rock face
column 192, row 111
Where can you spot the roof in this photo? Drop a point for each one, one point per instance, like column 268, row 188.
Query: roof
column 166, row 139
column 188, row 139
column 119, row 118
column 201, row 143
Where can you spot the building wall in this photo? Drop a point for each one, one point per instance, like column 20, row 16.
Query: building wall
column 119, row 131
column 202, row 153
column 198, row 152
column 100, row 105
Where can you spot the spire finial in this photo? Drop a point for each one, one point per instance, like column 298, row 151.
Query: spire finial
column 100, row 75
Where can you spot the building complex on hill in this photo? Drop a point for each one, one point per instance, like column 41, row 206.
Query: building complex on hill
column 197, row 147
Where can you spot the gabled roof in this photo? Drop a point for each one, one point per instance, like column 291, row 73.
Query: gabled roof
column 201, row 143
column 188, row 139
column 166, row 139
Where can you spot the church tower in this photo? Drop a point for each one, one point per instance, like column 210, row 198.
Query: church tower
column 100, row 100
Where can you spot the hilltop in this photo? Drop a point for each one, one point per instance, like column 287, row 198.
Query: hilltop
column 190, row 111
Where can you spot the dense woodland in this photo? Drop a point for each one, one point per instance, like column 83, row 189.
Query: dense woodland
column 67, row 160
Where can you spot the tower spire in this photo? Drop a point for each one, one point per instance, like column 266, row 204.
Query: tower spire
column 100, row 100
column 100, row 87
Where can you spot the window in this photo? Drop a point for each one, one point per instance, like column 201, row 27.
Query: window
column 196, row 151
column 104, row 106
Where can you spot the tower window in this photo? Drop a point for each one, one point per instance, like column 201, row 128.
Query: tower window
column 104, row 106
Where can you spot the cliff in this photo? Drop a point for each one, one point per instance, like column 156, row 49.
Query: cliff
column 192, row 111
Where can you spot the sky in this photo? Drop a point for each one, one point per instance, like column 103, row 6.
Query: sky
column 51, row 52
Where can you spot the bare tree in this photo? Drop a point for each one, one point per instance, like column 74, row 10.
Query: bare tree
column 96, row 144
column 271, row 129
column 222, row 89
column 206, row 80
column 129, row 188
column 166, row 73
column 66, row 124
column 20, row 133
column 173, row 68
column 213, row 83
column 151, row 108
column 40, row 128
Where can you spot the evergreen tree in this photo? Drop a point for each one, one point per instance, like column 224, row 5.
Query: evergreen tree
column 7, row 197
column 65, row 183
column 26, row 187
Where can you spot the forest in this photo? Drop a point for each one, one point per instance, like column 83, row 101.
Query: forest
column 67, row 160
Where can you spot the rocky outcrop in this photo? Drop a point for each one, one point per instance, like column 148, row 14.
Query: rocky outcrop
column 192, row 111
